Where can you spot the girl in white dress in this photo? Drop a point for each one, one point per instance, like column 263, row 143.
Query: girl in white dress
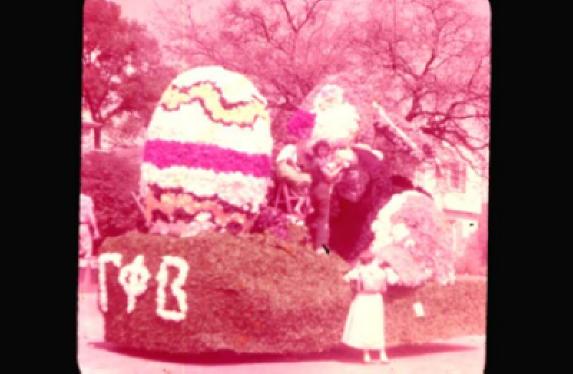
column 364, row 327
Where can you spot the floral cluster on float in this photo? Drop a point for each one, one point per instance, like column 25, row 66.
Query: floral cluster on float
column 206, row 160
column 410, row 236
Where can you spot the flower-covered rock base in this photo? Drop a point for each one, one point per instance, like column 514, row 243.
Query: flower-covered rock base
column 255, row 294
column 246, row 293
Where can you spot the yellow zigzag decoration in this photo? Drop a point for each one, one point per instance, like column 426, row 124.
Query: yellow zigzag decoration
column 211, row 100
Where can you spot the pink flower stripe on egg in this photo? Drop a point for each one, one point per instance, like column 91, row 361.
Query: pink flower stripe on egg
column 164, row 154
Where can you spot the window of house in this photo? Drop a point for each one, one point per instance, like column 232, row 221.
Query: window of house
column 457, row 177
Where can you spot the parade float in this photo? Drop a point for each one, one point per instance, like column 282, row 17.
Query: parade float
column 201, row 280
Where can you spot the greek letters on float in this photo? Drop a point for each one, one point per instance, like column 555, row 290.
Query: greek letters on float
column 134, row 277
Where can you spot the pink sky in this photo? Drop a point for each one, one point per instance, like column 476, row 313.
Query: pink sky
column 143, row 10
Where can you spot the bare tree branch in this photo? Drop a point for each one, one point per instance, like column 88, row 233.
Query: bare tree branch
column 288, row 15
column 309, row 12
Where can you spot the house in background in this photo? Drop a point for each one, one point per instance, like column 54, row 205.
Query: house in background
column 461, row 193
column 458, row 190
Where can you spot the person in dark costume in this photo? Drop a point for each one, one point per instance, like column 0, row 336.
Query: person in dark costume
column 324, row 169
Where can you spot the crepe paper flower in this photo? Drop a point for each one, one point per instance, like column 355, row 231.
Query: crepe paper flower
column 133, row 278
column 103, row 260
column 176, row 288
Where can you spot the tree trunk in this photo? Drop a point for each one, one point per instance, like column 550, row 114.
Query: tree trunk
column 97, row 138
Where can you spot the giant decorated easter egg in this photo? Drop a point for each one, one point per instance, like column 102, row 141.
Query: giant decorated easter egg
column 206, row 159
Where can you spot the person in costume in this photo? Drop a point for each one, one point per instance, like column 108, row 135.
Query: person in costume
column 325, row 168
column 334, row 129
column 289, row 167
column 364, row 327
column 88, row 230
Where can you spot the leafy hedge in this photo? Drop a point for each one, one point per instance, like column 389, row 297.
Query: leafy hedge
column 450, row 311
column 110, row 178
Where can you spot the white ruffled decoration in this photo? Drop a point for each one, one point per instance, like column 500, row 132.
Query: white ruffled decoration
column 328, row 96
column 391, row 276
column 195, row 227
column 235, row 188
column 103, row 259
column 391, row 238
column 400, row 231
column 337, row 124
column 386, row 233
column 133, row 278
column 178, row 292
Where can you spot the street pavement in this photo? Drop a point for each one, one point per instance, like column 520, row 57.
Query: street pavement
column 463, row 355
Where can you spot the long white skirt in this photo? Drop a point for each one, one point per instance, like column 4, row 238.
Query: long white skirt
column 364, row 327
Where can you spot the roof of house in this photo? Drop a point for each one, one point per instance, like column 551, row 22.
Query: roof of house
column 461, row 213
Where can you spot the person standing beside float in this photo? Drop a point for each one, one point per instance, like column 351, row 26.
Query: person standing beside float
column 88, row 230
column 364, row 327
